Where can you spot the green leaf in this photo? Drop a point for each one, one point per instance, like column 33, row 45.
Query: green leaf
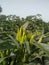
column 27, row 47
column 2, row 59
column 6, row 45
column 25, row 25
column 15, row 42
column 44, row 47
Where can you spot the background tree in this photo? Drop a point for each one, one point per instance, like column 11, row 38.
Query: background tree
column 0, row 9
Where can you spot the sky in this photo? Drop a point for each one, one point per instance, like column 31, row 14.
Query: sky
column 25, row 8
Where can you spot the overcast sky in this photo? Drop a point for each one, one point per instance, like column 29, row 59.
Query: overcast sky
column 24, row 8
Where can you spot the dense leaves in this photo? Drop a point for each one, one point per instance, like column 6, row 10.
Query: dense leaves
column 24, row 41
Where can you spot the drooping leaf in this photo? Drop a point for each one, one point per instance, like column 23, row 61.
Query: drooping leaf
column 44, row 47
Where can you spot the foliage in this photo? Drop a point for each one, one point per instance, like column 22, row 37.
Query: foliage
column 0, row 9
column 24, row 41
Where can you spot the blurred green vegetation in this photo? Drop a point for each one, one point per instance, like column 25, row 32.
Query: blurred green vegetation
column 24, row 41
